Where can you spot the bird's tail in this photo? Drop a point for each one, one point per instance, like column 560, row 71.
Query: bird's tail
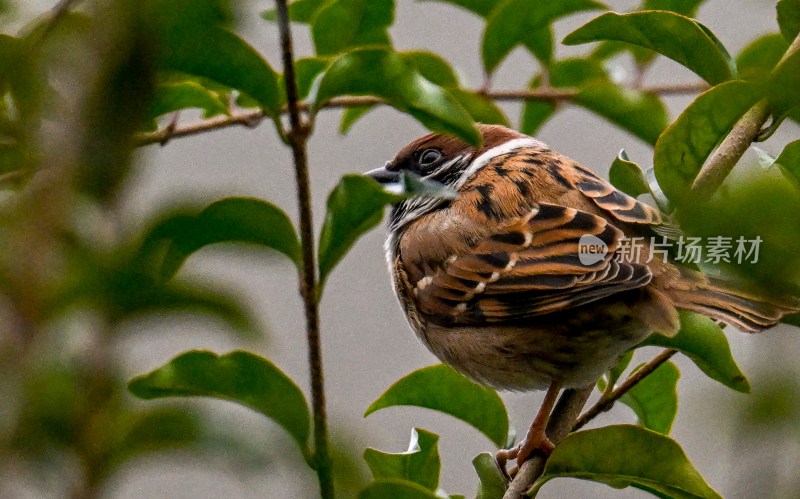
column 721, row 300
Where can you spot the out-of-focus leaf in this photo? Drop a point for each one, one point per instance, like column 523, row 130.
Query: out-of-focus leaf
column 616, row 372
column 642, row 114
column 173, row 97
column 681, row 39
column 159, row 429
column 480, row 7
column 354, row 207
column 419, row 464
column 240, row 377
column 703, row 341
column 482, row 109
column 307, row 69
column 344, row 24
column 685, row 145
column 757, row 59
column 516, row 22
column 432, row 67
column 300, row 11
column 628, row 176
column 789, row 18
column 396, row 489
column 491, row 482
column 784, row 83
column 193, row 42
column 789, row 161
column 687, row 8
column 655, row 398
column 623, row 456
column 388, row 75
column 243, row 220
column 442, row 389
column 351, row 115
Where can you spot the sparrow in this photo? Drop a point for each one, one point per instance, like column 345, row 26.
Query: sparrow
column 495, row 284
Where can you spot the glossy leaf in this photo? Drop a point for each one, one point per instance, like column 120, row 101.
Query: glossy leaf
column 432, row 67
column 173, row 97
column 789, row 18
column 655, row 398
column 628, row 176
column 240, row 377
column 419, row 464
column 516, row 22
column 351, row 115
column 481, row 7
column 760, row 56
column 482, row 109
column 442, row 389
column 675, row 36
column 388, row 75
column 344, row 24
column 784, row 83
column 703, row 341
column 685, row 145
column 307, row 69
column 642, row 114
column 242, row 220
column 687, row 8
column 624, row 455
column 789, row 161
column 396, row 489
column 491, row 482
column 354, row 207
column 300, row 11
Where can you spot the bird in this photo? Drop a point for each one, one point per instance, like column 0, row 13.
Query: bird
column 495, row 280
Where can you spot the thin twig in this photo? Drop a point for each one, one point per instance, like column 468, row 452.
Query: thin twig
column 298, row 137
column 743, row 133
column 560, row 425
column 253, row 118
column 609, row 398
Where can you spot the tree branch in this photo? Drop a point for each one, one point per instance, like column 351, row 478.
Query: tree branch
column 560, row 425
column 253, row 118
column 297, row 137
column 610, row 397
column 743, row 133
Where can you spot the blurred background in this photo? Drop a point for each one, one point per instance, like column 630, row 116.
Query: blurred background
column 745, row 445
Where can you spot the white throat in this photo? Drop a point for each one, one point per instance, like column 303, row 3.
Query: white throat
column 490, row 154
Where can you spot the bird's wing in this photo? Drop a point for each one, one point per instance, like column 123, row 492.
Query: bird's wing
column 532, row 267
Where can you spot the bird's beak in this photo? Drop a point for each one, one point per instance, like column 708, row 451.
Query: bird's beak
column 384, row 176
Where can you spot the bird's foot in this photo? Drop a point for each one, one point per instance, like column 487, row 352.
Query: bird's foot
column 522, row 452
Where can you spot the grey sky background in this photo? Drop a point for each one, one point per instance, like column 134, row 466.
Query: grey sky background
column 367, row 344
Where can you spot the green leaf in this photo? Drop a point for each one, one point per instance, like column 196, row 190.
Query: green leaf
column 388, row 75
column 759, row 57
column 432, row 67
column 784, row 83
column 442, row 389
column 482, row 109
column 240, row 377
column 243, row 220
column 173, row 97
column 616, row 372
column 625, row 455
column 702, row 340
column 300, row 11
column 655, row 398
column 351, row 115
column 481, row 7
column 681, row 39
column 420, row 464
column 396, row 489
column 642, row 114
column 684, row 146
column 515, row 22
column 491, row 482
column 344, row 24
column 628, row 176
column 208, row 50
column 307, row 69
column 789, row 18
column 789, row 161
column 354, row 207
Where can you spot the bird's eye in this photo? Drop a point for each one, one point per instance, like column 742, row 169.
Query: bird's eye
column 429, row 157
